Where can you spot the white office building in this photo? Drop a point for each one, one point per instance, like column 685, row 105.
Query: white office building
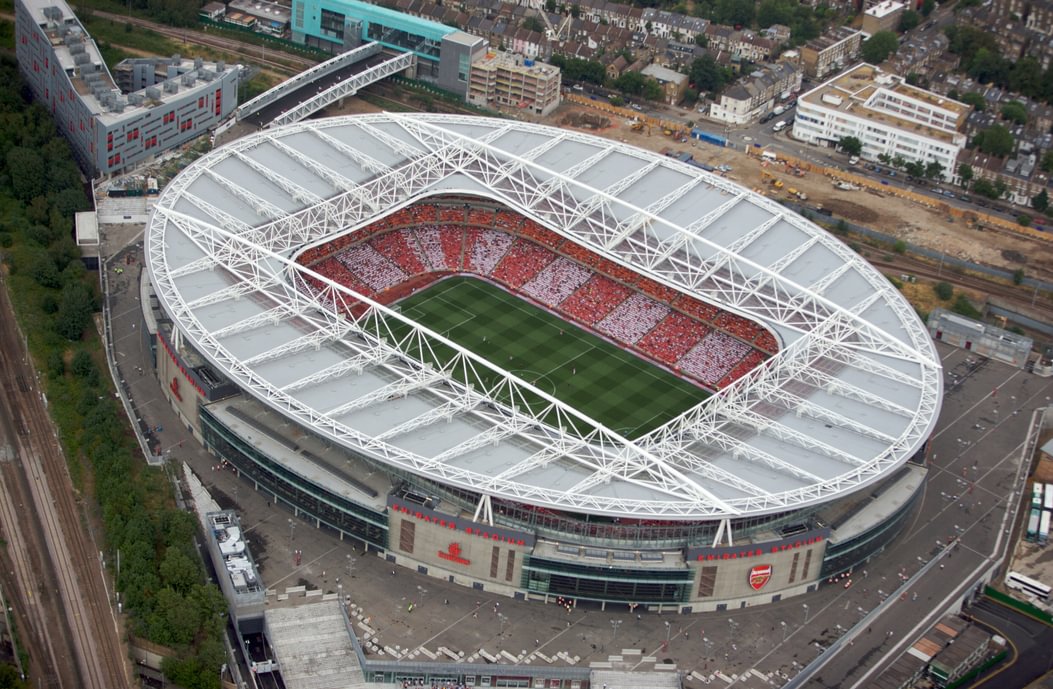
column 885, row 113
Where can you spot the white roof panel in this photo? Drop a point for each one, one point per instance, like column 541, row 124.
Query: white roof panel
column 853, row 392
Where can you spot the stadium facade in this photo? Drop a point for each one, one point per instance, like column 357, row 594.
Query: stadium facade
column 170, row 101
column 274, row 311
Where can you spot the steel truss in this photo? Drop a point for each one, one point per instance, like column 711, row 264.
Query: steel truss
column 672, row 464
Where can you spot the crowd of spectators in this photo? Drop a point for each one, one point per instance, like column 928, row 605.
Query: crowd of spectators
column 595, row 299
column 713, row 357
column 523, row 260
column 408, row 249
column 672, row 338
column 630, row 320
column 557, row 282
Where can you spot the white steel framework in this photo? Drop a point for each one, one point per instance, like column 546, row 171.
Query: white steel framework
column 854, row 391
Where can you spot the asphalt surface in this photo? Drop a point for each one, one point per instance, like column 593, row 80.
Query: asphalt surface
column 1030, row 644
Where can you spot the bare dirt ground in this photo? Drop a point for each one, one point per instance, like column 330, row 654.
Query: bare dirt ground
column 892, row 215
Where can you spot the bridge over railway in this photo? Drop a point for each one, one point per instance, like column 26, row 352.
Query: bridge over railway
column 324, row 84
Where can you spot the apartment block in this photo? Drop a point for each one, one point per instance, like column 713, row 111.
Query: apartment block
column 514, row 81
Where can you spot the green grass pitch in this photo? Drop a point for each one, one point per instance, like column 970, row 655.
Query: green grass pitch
column 614, row 387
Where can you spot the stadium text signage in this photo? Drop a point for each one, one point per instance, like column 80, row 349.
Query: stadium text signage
column 181, row 367
column 485, row 532
column 758, row 549
column 759, row 576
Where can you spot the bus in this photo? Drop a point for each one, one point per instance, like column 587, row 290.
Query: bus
column 1018, row 582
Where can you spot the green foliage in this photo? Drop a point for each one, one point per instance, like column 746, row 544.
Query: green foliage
column 915, row 168
column 734, row 12
column 850, row 145
column 1040, row 201
column 577, row 69
column 995, row 140
column 934, row 170
column 908, row 20
column 927, row 6
column 1023, row 220
column 636, row 84
column 707, row 75
column 1014, row 111
column 943, row 290
column 1047, row 161
column 9, row 678
column 915, row 79
column 1018, row 276
column 974, row 99
column 963, row 307
column 878, row 47
column 965, row 172
column 990, row 190
column 533, row 23
column 899, row 246
column 54, row 299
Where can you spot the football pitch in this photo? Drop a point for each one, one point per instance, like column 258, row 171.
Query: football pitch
column 603, row 381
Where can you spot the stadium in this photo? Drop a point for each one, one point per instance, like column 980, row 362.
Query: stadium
column 537, row 362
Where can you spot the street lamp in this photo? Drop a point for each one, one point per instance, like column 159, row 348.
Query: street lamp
column 421, row 591
column 614, row 625
column 784, row 630
column 292, row 527
column 668, row 631
column 805, row 606
column 502, row 618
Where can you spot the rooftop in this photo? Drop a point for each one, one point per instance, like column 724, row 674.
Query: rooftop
column 852, row 394
column 866, row 91
column 79, row 56
column 883, row 9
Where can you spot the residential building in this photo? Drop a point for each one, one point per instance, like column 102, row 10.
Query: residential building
column 109, row 130
column 271, row 18
column 672, row 83
column 504, row 79
column 886, row 114
column 1019, row 27
column 755, row 95
column 831, row 52
column 780, row 33
column 919, row 54
column 884, row 16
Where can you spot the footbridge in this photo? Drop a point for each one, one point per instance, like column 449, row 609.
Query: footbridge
column 321, row 85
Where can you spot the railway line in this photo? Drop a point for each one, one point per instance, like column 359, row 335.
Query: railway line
column 54, row 580
column 288, row 65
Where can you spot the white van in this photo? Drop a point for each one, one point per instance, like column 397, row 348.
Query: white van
column 769, row 156
column 779, row 126
column 853, row 160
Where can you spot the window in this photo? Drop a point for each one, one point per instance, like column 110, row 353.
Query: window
column 332, row 24
column 407, row 536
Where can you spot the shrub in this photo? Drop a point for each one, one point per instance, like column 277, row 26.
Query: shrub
column 943, row 290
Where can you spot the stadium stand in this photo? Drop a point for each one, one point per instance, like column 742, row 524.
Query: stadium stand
column 416, row 245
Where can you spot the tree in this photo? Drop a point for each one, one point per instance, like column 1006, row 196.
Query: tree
column 974, row 99
column 1047, row 161
column 985, row 188
column 1018, row 276
column 701, row 41
column 943, row 290
column 995, row 140
column 988, row 66
column 706, row 74
column 83, row 364
column 915, row 79
column 734, row 12
column 550, row 6
column 27, row 170
column 878, row 47
column 74, row 314
column 1014, row 111
column 908, row 20
column 915, row 168
column 927, row 6
column 774, row 12
column 934, row 170
column 1040, row 201
column 965, row 173
column 533, row 23
column 850, row 145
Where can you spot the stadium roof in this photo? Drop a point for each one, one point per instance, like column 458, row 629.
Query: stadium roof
column 853, row 392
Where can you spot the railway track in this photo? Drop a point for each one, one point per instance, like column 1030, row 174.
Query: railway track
column 54, row 576
column 904, row 265
column 289, row 63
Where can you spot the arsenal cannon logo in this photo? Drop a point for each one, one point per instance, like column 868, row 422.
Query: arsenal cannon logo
column 759, row 576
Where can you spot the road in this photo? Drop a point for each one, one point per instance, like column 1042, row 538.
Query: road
column 1029, row 643
column 52, row 576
